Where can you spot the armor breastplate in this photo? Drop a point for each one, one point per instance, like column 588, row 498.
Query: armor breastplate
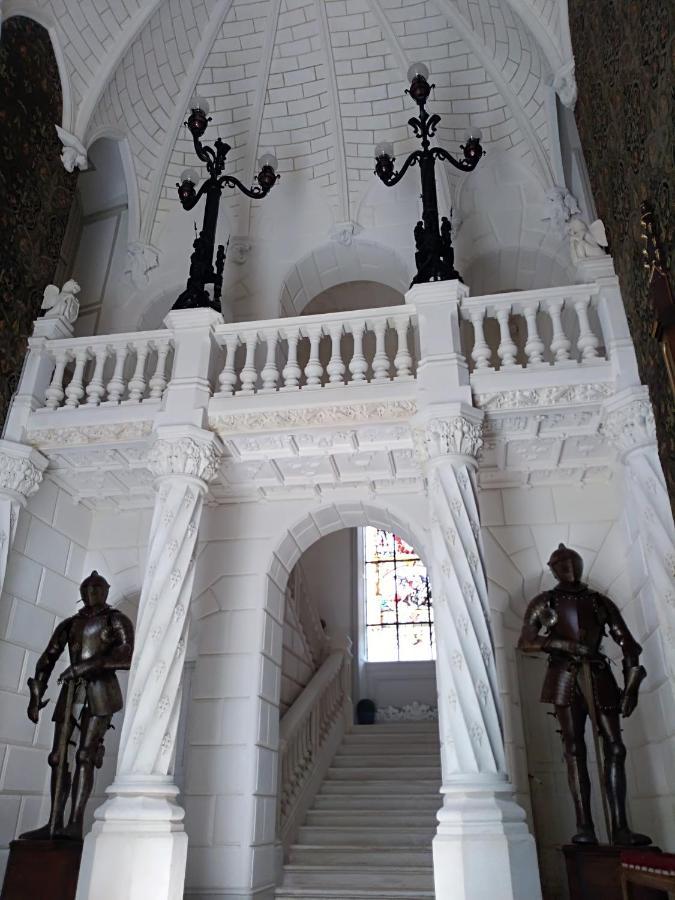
column 578, row 618
column 89, row 635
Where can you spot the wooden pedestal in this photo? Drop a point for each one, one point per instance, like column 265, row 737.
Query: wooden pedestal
column 42, row 870
column 594, row 873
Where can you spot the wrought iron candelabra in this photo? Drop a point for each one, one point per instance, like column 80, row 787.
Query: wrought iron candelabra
column 202, row 270
column 434, row 256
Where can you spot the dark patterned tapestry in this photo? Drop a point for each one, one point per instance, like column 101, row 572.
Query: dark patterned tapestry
column 36, row 191
column 625, row 116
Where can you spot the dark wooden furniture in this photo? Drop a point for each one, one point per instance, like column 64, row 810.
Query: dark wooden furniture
column 646, row 875
column 42, row 870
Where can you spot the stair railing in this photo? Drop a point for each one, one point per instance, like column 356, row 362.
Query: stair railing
column 309, row 736
column 308, row 616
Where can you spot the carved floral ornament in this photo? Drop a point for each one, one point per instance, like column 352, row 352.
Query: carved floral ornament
column 454, row 436
column 185, row 456
column 18, row 475
column 630, row 426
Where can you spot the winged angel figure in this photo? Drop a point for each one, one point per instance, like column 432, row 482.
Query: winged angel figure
column 61, row 301
column 586, row 240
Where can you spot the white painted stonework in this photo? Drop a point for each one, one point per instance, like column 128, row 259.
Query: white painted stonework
column 210, row 465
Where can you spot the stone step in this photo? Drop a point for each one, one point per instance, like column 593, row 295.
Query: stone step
column 299, row 893
column 366, row 745
column 384, row 773
column 355, row 856
column 363, row 787
column 363, row 836
column 385, row 760
column 383, row 878
column 395, row 728
column 349, row 816
column 427, row 804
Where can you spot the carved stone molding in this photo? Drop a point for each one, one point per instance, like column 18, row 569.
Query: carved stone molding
column 21, row 470
column 74, row 154
column 547, row 396
column 411, row 712
column 274, row 419
column 141, row 260
column 630, row 426
column 565, row 85
column 185, row 455
column 123, row 432
column 452, row 436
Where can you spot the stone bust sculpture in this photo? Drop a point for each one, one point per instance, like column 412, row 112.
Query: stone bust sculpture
column 569, row 623
column 100, row 640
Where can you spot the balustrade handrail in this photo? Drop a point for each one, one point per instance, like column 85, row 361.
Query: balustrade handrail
column 162, row 335
column 290, row 323
column 523, row 298
column 311, row 693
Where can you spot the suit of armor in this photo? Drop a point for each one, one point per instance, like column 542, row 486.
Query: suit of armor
column 574, row 620
column 99, row 640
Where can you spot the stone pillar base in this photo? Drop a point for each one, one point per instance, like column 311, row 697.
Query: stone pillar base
column 483, row 849
column 137, row 848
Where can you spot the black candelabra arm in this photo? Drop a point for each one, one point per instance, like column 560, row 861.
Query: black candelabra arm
column 265, row 183
column 468, row 164
column 384, row 167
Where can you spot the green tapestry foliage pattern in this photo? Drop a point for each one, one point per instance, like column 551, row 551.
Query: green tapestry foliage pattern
column 36, row 191
column 625, row 113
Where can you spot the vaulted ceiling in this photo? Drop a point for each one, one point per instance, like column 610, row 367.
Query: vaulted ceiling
column 320, row 82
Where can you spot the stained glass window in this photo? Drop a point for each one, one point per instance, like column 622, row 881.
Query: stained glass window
column 399, row 614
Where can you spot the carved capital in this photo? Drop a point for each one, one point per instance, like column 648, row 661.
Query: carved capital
column 21, row 470
column 630, row 425
column 565, row 85
column 74, row 154
column 451, row 436
column 197, row 457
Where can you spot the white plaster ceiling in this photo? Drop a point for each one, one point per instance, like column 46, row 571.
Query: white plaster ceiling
column 318, row 81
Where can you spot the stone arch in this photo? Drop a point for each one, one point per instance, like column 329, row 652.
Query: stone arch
column 336, row 262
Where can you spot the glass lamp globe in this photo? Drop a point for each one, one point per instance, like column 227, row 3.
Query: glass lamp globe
column 417, row 70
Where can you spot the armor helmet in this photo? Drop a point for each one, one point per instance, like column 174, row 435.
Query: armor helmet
column 94, row 578
column 564, row 552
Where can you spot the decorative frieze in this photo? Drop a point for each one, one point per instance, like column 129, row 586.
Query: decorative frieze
column 325, row 414
column 630, row 425
column 544, row 396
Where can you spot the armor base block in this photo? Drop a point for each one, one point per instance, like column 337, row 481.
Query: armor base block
column 42, row 870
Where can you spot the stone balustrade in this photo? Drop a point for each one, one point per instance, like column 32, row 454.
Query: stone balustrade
column 108, row 370
column 310, row 352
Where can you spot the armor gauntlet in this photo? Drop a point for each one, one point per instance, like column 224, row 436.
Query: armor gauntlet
column 633, row 677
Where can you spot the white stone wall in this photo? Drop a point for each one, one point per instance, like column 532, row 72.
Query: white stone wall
column 45, row 568
column 521, row 529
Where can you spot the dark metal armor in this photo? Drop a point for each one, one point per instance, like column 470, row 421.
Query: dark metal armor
column 569, row 623
column 100, row 640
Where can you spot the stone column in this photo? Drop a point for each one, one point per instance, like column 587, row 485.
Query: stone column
column 21, row 470
column 628, row 424
column 137, row 848
column 482, row 846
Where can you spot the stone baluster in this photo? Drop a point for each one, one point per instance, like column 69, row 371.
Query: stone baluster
column 228, row 377
column 96, row 388
column 336, row 367
column 249, row 374
column 270, row 373
column 116, row 385
column 534, row 346
column 358, row 365
column 481, row 352
column 403, row 359
column 141, row 811
column 560, row 343
column 507, row 349
column 587, row 342
column 75, row 390
column 291, row 372
column 475, row 786
column 55, row 393
column 158, row 382
column 137, row 382
column 628, row 425
column 21, row 471
column 313, row 369
column 380, row 360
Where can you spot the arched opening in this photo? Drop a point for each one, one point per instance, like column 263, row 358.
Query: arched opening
column 37, row 190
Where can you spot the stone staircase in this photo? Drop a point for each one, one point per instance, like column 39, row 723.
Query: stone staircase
column 368, row 833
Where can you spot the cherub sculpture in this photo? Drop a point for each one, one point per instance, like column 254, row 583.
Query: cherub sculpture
column 61, row 302
column 586, row 241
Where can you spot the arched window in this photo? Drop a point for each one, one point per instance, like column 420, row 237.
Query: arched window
column 398, row 614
